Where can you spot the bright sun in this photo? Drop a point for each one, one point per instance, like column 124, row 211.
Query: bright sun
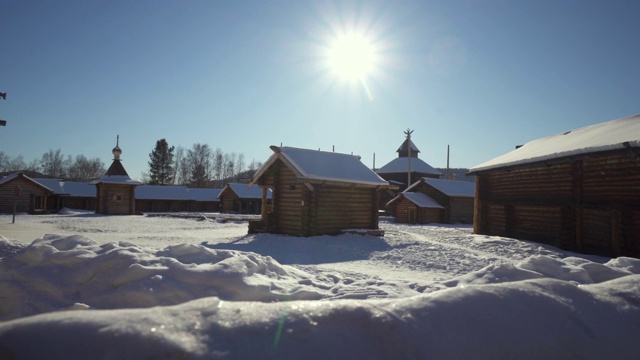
column 351, row 57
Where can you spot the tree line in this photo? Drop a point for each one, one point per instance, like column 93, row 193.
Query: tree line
column 198, row 166
column 54, row 164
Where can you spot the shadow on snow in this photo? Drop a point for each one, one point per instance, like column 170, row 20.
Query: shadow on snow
column 310, row 250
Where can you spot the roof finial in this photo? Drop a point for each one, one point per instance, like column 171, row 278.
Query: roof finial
column 116, row 150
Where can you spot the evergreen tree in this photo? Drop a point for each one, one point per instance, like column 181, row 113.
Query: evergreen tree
column 161, row 164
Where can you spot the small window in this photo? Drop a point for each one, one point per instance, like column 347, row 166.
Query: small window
column 117, row 197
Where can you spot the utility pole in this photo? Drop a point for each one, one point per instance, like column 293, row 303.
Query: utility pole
column 408, row 134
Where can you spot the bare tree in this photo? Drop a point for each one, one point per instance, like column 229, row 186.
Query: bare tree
column 240, row 163
column 218, row 166
column 16, row 164
column 52, row 163
column 181, row 166
column 83, row 169
column 4, row 161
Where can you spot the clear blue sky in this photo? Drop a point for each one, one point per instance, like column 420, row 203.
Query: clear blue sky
column 481, row 76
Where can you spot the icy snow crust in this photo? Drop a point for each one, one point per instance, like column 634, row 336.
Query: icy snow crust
column 201, row 289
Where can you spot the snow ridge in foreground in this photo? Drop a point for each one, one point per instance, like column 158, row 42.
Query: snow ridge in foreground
column 533, row 319
column 82, row 299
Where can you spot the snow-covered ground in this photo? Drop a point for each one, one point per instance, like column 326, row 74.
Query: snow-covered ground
column 138, row 287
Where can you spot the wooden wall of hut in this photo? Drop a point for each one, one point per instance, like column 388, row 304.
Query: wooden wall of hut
column 407, row 212
column 115, row 199
column 32, row 198
column 457, row 210
column 589, row 204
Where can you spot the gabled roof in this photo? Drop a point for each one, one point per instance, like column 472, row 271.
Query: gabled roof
column 323, row 166
column 419, row 199
column 453, row 188
column 243, row 191
column 11, row 177
column 611, row 135
column 401, row 164
column 116, row 169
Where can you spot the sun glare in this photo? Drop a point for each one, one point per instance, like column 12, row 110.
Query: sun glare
column 351, row 57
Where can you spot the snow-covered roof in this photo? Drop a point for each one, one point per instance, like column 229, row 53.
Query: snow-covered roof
column 452, row 187
column 422, row 200
column 116, row 179
column 10, row 177
column 161, row 192
column 171, row 192
column 72, row 188
column 243, row 191
column 401, row 164
column 203, row 194
column 323, row 166
column 605, row 136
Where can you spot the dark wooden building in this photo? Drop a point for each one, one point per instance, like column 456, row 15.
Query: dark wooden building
column 24, row 194
column 316, row 192
column 579, row 190
column 435, row 200
column 115, row 191
column 416, row 208
column 241, row 199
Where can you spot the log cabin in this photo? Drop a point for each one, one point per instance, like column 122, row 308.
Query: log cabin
column 316, row 193
column 241, row 199
column 115, row 191
column 23, row 194
column 435, row 201
column 579, row 190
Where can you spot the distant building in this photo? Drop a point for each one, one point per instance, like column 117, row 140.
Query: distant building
column 115, row 191
column 175, row 198
column 435, row 201
column 316, row 192
column 24, row 194
column 579, row 190
column 241, row 199
column 397, row 170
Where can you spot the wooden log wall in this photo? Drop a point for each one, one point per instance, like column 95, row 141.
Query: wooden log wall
column 26, row 200
column 344, row 207
column 429, row 215
column 422, row 215
column 227, row 199
column 459, row 210
column 589, row 204
column 115, row 199
column 289, row 206
column 402, row 208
